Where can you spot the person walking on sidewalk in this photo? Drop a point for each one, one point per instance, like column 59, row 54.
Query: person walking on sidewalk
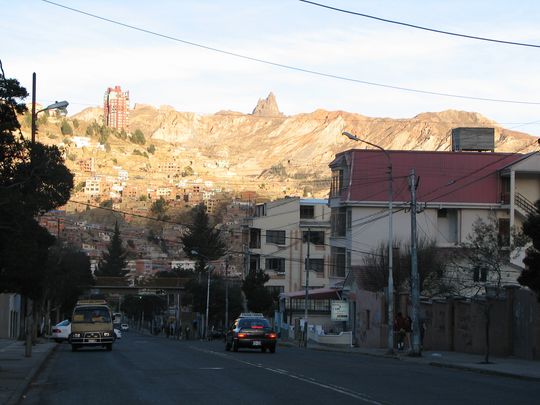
column 400, row 327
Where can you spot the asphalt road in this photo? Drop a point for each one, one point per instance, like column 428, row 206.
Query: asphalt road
column 152, row 370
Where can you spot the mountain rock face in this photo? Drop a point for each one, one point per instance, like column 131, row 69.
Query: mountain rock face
column 292, row 153
column 267, row 107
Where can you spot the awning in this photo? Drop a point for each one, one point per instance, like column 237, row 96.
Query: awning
column 315, row 294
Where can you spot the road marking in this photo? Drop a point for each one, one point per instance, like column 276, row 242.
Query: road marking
column 210, row 368
column 335, row 388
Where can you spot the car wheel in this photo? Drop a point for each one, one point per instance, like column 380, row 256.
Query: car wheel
column 235, row 346
column 272, row 349
column 263, row 349
column 109, row 347
column 58, row 340
column 74, row 348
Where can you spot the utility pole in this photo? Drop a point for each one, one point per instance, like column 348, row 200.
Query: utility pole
column 226, row 292
column 307, row 265
column 415, row 287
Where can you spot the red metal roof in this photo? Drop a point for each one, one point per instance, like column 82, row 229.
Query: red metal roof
column 452, row 177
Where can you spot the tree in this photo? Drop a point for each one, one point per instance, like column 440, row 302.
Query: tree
column 484, row 262
column 151, row 149
column 159, row 209
column 33, row 180
column 114, row 261
column 138, row 137
column 530, row 276
column 68, row 275
column 257, row 295
column 201, row 241
column 65, row 128
column 431, row 268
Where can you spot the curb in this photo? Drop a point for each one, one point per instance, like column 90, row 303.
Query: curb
column 484, row 371
column 18, row 393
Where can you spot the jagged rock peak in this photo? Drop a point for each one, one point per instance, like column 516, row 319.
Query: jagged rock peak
column 267, row 107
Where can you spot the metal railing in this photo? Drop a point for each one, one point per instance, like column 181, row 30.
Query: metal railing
column 525, row 204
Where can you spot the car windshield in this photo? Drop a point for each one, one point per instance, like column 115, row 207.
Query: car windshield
column 258, row 323
column 91, row 314
column 63, row 323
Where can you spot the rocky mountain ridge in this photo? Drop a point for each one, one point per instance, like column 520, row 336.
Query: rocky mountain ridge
column 269, row 145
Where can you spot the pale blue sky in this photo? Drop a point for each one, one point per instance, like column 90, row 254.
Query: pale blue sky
column 76, row 57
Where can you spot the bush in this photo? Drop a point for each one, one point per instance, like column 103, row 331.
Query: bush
column 65, row 128
column 138, row 137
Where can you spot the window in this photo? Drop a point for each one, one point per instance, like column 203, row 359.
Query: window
column 504, row 232
column 349, row 218
column 277, row 237
column 480, row 274
column 255, row 238
column 315, row 237
column 316, row 265
column 337, row 183
column 275, row 290
column 276, row 264
column 338, row 218
column 447, row 225
column 254, row 262
column 307, row 212
column 338, row 261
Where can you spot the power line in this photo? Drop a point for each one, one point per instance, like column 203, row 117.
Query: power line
column 421, row 27
column 290, row 67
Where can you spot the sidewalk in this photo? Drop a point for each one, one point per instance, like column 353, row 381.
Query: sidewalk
column 501, row 366
column 16, row 370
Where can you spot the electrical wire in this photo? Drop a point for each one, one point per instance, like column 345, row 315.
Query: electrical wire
column 290, row 67
column 455, row 34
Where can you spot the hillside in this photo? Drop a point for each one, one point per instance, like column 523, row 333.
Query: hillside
column 284, row 151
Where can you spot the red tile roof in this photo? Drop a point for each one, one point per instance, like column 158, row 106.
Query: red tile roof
column 451, row 177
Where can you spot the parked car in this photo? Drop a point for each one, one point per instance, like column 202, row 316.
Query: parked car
column 124, row 327
column 117, row 333
column 61, row 331
column 251, row 330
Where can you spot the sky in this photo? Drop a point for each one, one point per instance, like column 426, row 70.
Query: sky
column 205, row 56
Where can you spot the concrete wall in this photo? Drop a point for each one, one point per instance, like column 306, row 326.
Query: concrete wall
column 10, row 316
column 370, row 322
column 459, row 325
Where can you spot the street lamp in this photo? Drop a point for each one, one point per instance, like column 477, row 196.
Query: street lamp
column 58, row 105
column 390, row 298
column 209, row 268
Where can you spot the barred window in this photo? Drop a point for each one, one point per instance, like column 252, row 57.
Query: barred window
column 316, row 237
column 277, row 237
column 316, row 265
column 275, row 263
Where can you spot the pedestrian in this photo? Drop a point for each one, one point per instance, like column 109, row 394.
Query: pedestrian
column 400, row 326
column 408, row 331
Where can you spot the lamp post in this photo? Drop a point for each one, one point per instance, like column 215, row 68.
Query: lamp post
column 390, row 293
column 58, row 105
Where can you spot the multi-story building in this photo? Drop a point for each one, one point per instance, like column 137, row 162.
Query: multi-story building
column 87, row 165
column 116, row 108
column 92, row 186
column 454, row 189
column 278, row 236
